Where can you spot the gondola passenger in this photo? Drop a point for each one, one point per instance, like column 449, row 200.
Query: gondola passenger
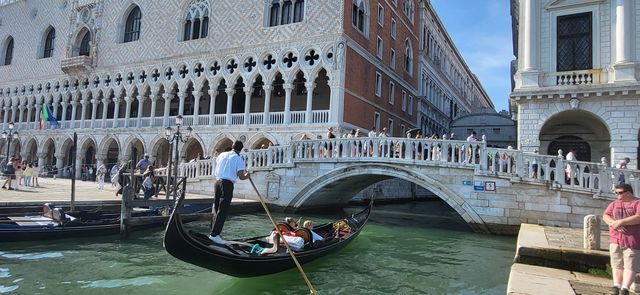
column 308, row 224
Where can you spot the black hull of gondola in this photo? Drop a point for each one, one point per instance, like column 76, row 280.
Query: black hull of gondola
column 195, row 249
column 90, row 228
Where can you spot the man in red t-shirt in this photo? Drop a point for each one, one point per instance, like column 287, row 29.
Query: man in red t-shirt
column 623, row 218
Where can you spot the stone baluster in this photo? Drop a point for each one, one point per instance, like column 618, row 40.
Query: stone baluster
column 230, row 92
column 591, row 232
column 309, row 111
column 267, row 104
column 288, row 87
column 247, row 105
column 212, row 106
column 196, row 106
column 6, row 116
column 20, row 113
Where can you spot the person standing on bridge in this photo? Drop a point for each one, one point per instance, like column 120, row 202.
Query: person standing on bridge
column 623, row 218
column 229, row 167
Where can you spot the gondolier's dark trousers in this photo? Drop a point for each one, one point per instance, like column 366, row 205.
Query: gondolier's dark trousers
column 222, row 201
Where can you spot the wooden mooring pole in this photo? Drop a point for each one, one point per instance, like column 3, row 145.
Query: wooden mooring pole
column 125, row 211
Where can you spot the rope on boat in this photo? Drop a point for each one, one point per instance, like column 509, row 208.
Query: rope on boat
column 295, row 260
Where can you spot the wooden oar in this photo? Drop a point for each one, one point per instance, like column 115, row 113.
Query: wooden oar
column 293, row 256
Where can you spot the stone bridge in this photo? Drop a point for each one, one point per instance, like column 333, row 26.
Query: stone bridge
column 494, row 190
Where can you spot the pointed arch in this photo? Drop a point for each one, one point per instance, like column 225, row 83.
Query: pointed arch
column 7, row 51
column 255, row 141
column 220, row 143
column 48, row 42
column 195, row 24
column 132, row 24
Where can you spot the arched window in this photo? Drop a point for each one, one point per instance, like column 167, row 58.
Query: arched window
column 196, row 24
column 85, row 44
column 282, row 12
column 359, row 15
column 132, row 26
column 408, row 57
column 408, row 9
column 8, row 51
column 49, row 43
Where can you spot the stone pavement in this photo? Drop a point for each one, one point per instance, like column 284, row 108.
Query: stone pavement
column 543, row 255
column 59, row 190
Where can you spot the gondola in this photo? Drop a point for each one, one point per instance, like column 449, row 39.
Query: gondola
column 78, row 224
column 235, row 258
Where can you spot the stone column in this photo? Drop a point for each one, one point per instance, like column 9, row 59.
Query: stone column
column 20, row 114
column 40, row 160
column 167, row 107
column 230, row 92
column 623, row 31
column 56, row 103
column 83, row 114
column 196, row 106
column 335, row 103
column 74, row 111
column 624, row 67
column 29, row 112
column 94, row 112
column 38, row 107
column 14, row 110
column 59, row 163
column 100, row 161
column 309, row 111
column 288, row 87
column 181, row 96
column 529, row 73
column 6, row 116
column 127, row 114
column 116, row 111
column 154, row 100
column 212, row 106
column 267, row 104
column 247, row 105
column 105, row 111
column 78, row 163
column 140, row 108
column 64, row 111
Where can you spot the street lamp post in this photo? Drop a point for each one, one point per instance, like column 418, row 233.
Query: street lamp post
column 9, row 137
column 176, row 137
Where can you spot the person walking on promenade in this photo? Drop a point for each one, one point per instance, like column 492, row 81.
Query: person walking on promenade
column 36, row 173
column 229, row 167
column 28, row 175
column 100, row 173
column 10, row 174
column 113, row 173
column 623, row 218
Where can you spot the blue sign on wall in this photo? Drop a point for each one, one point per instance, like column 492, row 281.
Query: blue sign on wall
column 467, row 182
column 478, row 186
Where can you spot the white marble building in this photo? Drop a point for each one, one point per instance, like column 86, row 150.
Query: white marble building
column 118, row 72
column 576, row 82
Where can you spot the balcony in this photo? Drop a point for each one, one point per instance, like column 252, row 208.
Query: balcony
column 582, row 77
column 76, row 64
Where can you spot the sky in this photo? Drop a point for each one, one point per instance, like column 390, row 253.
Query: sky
column 481, row 30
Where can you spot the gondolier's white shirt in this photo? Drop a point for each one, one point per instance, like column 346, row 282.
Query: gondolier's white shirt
column 228, row 164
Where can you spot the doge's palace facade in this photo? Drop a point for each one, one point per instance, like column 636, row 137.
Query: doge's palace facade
column 576, row 79
column 120, row 71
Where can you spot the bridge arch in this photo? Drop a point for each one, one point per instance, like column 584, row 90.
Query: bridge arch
column 353, row 178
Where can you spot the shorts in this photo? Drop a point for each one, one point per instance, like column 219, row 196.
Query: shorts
column 626, row 258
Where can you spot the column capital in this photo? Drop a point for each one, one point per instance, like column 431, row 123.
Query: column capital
column 212, row 92
column 93, row 100
column 73, row 103
column 168, row 96
column 141, row 98
column 105, row 100
column 128, row 99
column 181, row 94
column 310, row 84
column 230, row 91
column 247, row 89
column 197, row 94
column 267, row 87
column 153, row 97
column 117, row 100
column 287, row 86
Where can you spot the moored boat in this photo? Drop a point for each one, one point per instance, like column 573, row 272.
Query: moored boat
column 237, row 258
column 77, row 225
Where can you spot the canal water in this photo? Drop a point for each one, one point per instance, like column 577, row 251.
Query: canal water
column 414, row 248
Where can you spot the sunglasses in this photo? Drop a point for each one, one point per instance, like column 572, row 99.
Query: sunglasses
column 620, row 193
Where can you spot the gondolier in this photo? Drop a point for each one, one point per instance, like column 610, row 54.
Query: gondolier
column 229, row 167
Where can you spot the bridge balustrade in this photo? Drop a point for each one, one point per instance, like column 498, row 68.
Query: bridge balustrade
column 505, row 163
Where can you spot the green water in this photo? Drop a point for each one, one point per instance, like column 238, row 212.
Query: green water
column 404, row 249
